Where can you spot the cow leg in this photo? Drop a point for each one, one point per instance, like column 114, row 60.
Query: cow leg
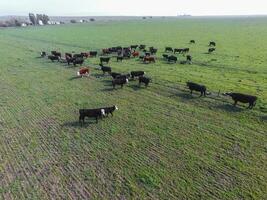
column 96, row 119
column 235, row 103
column 191, row 92
column 201, row 94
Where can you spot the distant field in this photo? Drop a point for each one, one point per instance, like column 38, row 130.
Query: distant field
column 162, row 143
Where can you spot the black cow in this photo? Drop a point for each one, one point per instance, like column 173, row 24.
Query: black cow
column 123, row 76
column 105, row 69
column 142, row 46
column 243, row 98
column 165, row 56
column 168, row 49
column 93, row 53
column 211, row 50
column 53, row 58
column 196, row 87
column 68, row 55
column 115, row 74
column 69, row 60
column 119, row 81
column 137, row 73
column 134, row 47
column 172, row 59
column 212, row 44
column 104, row 59
column 189, row 59
column 110, row 110
column 78, row 55
column 186, row 50
column 192, row 41
column 91, row 113
column 144, row 80
column 78, row 61
column 55, row 53
column 43, row 54
column 178, row 51
column 153, row 50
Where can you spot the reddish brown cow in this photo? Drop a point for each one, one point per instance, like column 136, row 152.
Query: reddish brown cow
column 149, row 59
column 135, row 54
column 83, row 72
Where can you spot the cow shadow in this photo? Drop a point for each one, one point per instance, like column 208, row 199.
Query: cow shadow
column 136, row 87
column 77, row 124
column 229, row 108
column 108, row 89
column 74, row 78
column 99, row 75
column 185, row 96
column 264, row 118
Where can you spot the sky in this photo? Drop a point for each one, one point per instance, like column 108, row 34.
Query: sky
column 133, row 7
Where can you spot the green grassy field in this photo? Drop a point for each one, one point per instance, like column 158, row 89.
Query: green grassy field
column 162, row 143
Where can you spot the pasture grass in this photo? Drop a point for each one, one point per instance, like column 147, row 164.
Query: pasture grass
column 162, row 143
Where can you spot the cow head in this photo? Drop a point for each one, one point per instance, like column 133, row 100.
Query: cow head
column 103, row 112
column 227, row 94
column 116, row 108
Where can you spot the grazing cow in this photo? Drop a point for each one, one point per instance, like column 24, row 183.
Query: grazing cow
column 85, row 54
column 144, row 80
column 53, row 58
column 243, row 98
column 68, row 55
column 168, row 49
column 134, row 47
column 142, row 47
column 137, row 74
column 78, row 55
column 43, row 54
column 55, row 53
column 212, row 44
column 135, row 54
column 119, row 58
column 123, row 76
column 153, row 50
column 91, row 113
column 192, row 41
column 93, row 53
column 110, row 110
column 196, row 87
column 105, row 51
column 83, row 72
column 104, row 60
column 119, row 81
column 211, row 50
column 115, row 74
column 78, row 61
column 69, row 60
column 105, row 69
column 147, row 54
column 186, row 50
column 172, row 59
column 165, row 56
column 149, row 59
column 178, row 51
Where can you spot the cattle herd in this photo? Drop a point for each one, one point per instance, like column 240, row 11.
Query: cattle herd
column 146, row 56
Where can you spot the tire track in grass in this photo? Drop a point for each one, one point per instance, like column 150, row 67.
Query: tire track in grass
column 44, row 139
column 26, row 159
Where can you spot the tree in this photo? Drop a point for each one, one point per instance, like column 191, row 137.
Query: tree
column 45, row 19
column 33, row 19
